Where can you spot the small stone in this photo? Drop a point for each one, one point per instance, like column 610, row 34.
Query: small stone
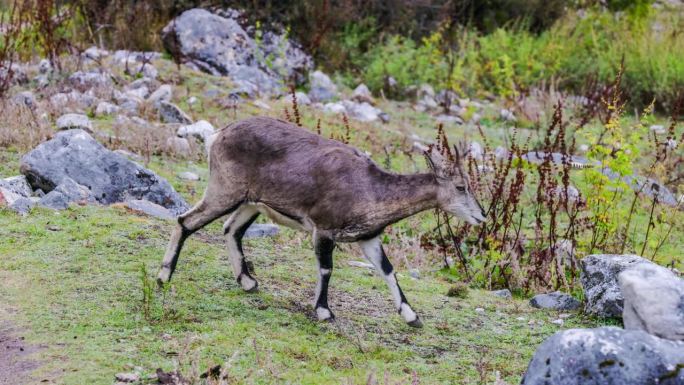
column 361, row 264
column 127, row 377
column 555, row 301
column 507, row 115
column 558, row 322
column 261, row 230
column 657, row 128
column 201, row 130
column 106, row 108
column 170, row 113
column 479, row 310
column 180, row 146
column 521, row 319
column 414, row 273
column 162, row 94
column 69, row 121
column 25, row 98
column 187, row 175
column 302, row 98
column 192, row 100
column 149, row 208
column 336, row 108
column 362, row 94
column 17, row 184
column 261, row 104
column 504, row 293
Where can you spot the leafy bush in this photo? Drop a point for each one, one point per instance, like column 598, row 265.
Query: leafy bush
column 510, row 61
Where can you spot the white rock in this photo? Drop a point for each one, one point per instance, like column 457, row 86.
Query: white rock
column 654, row 301
column 335, row 108
column 187, row 175
column 558, row 322
column 319, row 79
column 362, row 94
column 261, row 104
column 127, row 377
column 192, row 100
column 201, row 130
column 657, row 128
column 507, row 115
column 163, row 93
column 106, row 108
column 69, row 121
column 152, row 209
column 479, row 310
column 361, row 264
column 363, row 112
column 178, row 145
column 139, row 92
column 302, row 98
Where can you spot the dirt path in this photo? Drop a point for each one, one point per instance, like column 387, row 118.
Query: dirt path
column 15, row 366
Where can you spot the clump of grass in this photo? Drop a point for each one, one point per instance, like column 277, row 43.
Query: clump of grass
column 458, row 290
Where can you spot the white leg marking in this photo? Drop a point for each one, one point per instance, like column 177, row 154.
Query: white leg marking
column 323, row 313
column 248, row 284
column 372, row 249
column 408, row 313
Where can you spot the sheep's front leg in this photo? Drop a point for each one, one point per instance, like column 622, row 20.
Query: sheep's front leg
column 374, row 252
column 323, row 247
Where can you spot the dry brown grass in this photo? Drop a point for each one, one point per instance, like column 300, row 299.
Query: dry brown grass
column 21, row 128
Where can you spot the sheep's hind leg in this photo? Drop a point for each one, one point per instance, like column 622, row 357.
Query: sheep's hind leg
column 234, row 229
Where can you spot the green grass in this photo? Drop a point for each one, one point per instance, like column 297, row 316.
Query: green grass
column 74, row 280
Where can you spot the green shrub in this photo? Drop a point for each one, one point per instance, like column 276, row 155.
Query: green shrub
column 509, row 61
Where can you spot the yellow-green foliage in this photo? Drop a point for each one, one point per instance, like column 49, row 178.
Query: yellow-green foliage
column 511, row 60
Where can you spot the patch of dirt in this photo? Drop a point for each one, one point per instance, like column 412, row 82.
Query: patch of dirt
column 15, row 366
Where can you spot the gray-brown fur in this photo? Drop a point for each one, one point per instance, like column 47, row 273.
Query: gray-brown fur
column 300, row 179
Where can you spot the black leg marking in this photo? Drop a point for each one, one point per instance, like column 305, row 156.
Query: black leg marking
column 239, row 234
column 387, row 267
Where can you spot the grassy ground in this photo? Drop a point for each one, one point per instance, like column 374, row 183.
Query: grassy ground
column 77, row 280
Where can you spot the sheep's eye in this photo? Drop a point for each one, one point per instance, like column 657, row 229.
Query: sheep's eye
column 461, row 189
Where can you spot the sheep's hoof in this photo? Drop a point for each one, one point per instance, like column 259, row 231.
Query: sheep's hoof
column 416, row 323
column 324, row 314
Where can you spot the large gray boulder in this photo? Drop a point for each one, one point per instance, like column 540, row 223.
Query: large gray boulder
column 606, row 355
column 654, row 301
column 109, row 176
column 219, row 45
column 598, row 276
